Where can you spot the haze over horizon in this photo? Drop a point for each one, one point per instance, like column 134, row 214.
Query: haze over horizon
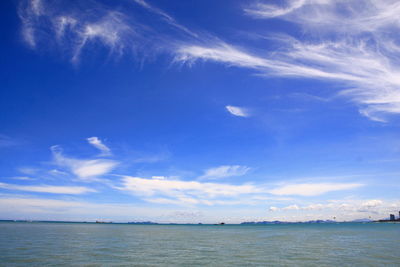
column 199, row 111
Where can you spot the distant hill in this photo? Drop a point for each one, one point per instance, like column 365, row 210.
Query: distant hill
column 142, row 223
column 362, row 220
column 282, row 222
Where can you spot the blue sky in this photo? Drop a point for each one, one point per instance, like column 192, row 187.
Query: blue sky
column 189, row 111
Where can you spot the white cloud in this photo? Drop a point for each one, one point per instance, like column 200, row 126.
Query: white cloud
column 179, row 192
column 180, row 201
column 270, row 11
column 158, row 177
column 83, row 168
column 273, row 208
column 22, row 207
column 90, row 168
column 220, row 52
column 365, row 47
column 358, row 49
column 35, row 208
column 88, row 25
column 184, row 192
column 225, row 171
column 371, row 75
column 72, row 190
column 110, row 30
column 372, row 203
column 238, row 111
column 312, row 189
column 349, row 209
column 96, row 142
column 23, row 178
column 317, row 206
column 291, row 207
column 78, row 27
column 150, row 187
column 333, row 15
column 170, row 20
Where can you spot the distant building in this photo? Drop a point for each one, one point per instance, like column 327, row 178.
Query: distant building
column 392, row 218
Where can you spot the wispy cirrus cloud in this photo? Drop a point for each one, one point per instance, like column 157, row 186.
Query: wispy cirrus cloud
column 84, row 169
column 168, row 191
column 312, row 189
column 169, row 19
column 368, row 77
column 53, row 189
column 74, row 27
column 363, row 54
column 224, row 171
column 97, row 143
column 171, row 190
column 265, row 10
column 181, row 192
column 356, row 48
column 219, row 51
column 338, row 15
column 150, row 187
column 238, row 111
column 77, row 27
column 23, row 178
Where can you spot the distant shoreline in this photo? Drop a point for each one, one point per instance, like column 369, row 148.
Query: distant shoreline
column 199, row 224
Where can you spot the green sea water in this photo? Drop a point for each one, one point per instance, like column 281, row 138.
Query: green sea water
column 79, row 244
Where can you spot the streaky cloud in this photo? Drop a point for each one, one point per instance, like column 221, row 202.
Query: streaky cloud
column 312, row 189
column 237, row 111
column 84, row 169
column 166, row 17
column 263, row 10
column 97, row 143
column 367, row 75
column 180, row 192
column 78, row 27
column 224, row 171
column 52, row 189
column 83, row 26
column 346, row 206
column 355, row 48
column 364, row 46
column 40, row 208
column 332, row 15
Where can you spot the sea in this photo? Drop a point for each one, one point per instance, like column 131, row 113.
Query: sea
column 90, row 244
